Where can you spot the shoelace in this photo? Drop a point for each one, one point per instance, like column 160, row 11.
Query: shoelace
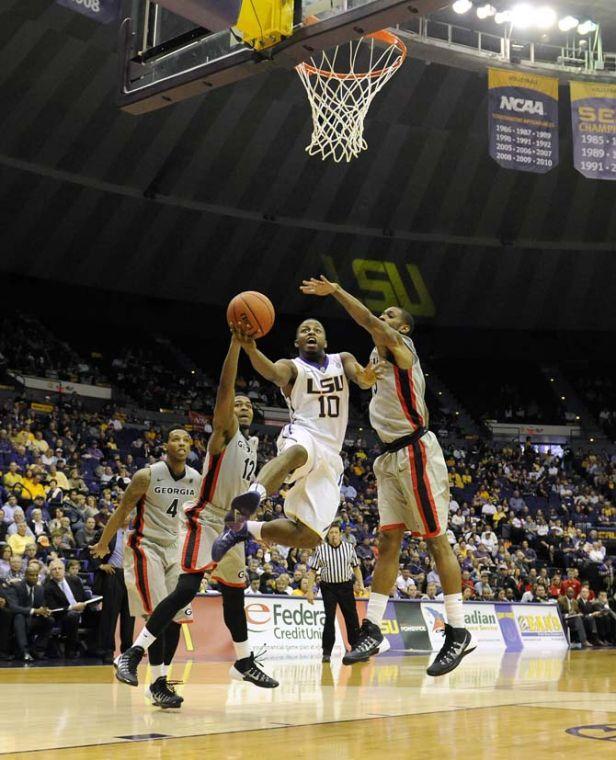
column 172, row 684
column 259, row 656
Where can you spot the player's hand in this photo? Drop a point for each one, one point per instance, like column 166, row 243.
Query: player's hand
column 99, row 550
column 247, row 342
column 320, row 287
column 109, row 569
column 310, row 596
column 370, row 374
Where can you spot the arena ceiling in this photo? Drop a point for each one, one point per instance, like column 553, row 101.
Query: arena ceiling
column 217, row 194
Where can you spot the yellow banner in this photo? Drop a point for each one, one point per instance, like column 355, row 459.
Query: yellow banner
column 36, row 407
column 583, row 90
column 503, row 78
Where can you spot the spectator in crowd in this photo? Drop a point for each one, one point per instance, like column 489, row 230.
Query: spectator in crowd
column 573, row 617
column 32, row 620
column 68, row 595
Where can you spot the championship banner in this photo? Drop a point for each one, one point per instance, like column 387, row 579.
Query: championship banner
column 523, row 120
column 593, row 117
column 198, row 420
column 103, row 11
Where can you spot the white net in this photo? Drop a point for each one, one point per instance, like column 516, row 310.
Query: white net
column 340, row 100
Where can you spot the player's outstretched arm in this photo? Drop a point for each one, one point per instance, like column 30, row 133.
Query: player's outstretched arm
column 281, row 373
column 224, row 422
column 134, row 491
column 381, row 332
column 365, row 377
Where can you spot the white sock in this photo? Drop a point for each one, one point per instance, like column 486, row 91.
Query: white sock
column 242, row 649
column 157, row 671
column 164, row 669
column 259, row 489
column 454, row 610
column 145, row 639
column 254, row 528
column 376, row 607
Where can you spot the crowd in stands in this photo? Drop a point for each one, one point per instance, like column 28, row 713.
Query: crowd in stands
column 597, row 386
column 523, row 522
column 514, row 392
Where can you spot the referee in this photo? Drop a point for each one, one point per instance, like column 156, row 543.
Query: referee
column 336, row 562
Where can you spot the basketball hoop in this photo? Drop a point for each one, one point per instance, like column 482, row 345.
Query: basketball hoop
column 340, row 100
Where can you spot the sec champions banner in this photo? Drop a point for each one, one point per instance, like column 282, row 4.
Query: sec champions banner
column 103, row 11
column 593, row 116
column 523, row 120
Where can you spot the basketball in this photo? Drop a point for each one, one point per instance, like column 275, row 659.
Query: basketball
column 253, row 312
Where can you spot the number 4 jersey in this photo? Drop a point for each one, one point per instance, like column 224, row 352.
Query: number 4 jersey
column 160, row 510
column 319, row 400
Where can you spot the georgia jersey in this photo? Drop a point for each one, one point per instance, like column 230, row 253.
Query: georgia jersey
column 160, row 509
column 398, row 407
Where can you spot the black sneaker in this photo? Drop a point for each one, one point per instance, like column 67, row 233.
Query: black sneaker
column 456, row 646
column 248, row 670
column 162, row 694
column 126, row 665
column 234, row 533
column 368, row 643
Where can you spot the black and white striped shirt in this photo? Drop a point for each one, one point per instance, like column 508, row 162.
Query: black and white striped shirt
column 335, row 563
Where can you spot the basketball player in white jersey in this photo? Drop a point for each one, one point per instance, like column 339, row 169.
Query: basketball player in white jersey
column 316, row 388
column 228, row 469
column 412, row 481
column 152, row 552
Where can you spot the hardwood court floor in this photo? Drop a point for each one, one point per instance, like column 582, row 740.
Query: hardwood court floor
column 507, row 706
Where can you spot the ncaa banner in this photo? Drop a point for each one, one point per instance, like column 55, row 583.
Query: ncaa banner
column 103, row 11
column 593, row 117
column 523, row 120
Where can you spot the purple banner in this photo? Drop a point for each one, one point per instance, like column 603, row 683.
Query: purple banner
column 523, row 121
column 593, row 116
column 103, row 11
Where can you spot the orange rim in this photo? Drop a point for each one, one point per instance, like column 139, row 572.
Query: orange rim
column 382, row 36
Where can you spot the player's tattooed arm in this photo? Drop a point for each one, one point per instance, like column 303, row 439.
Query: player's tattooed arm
column 282, row 372
column 224, row 422
column 383, row 335
column 365, row 377
column 134, row 491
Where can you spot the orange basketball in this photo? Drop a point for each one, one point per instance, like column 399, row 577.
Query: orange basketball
column 253, row 312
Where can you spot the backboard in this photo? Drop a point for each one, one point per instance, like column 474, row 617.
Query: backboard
column 170, row 55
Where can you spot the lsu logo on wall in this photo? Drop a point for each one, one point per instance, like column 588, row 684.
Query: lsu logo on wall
column 385, row 283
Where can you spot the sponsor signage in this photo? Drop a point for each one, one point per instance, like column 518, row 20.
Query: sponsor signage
column 523, row 120
column 539, row 624
column 287, row 626
column 411, row 633
column 480, row 619
column 593, row 117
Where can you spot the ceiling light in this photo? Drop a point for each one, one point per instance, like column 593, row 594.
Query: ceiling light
column 462, row 6
column 504, row 17
column 522, row 15
column 567, row 23
column 545, row 17
column 587, row 27
column 485, row 11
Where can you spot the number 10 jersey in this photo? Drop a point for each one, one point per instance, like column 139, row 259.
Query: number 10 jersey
column 319, row 400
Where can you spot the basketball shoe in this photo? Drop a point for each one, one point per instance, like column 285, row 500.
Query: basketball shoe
column 248, row 669
column 457, row 645
column 162, row 694
column 126, row 665
column 370, row 642
column 234, row 533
